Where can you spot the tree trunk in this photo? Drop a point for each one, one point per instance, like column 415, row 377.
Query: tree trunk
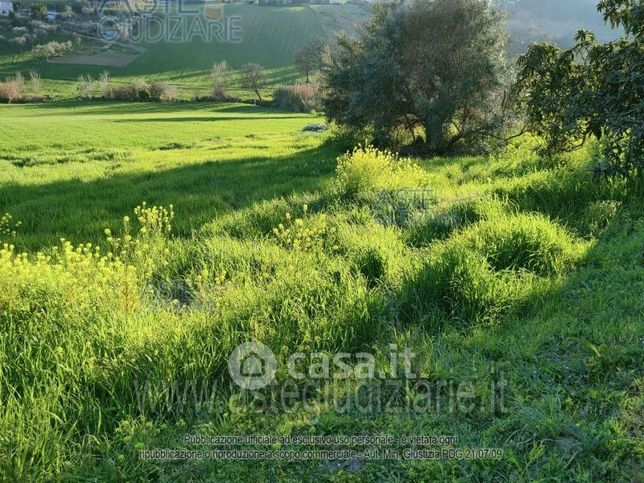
column 435, row 136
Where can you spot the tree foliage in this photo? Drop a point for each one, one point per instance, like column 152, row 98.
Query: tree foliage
column 309, row 59
column 253, row 78
column 591, row 90
column 52, row 49
column 435, row 68
column 39, row 9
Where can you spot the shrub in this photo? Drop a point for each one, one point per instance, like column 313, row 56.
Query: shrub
column 85, row 87
column 104, row 84
column 220, row 81
column 297, row 98
column 10, row 90
column 120, row 92
column 139, row 90
column 52, row 49
column 163, row 92
column 367, row 170
column 35, row 82
column 218, row 95
column 20, row 41
column 200, row 96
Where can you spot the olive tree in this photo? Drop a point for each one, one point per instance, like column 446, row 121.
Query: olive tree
column 433, row 69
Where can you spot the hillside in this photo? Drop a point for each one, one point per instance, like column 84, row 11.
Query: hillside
column 268, row 36
column 220, row 273
column 517, row 283
column 555, row 21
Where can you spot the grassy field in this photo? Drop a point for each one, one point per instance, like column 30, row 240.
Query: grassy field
column 110, row 156
column 269, row 36
column 522, row 272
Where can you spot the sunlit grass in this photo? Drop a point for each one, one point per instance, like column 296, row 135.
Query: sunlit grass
column 516, row 265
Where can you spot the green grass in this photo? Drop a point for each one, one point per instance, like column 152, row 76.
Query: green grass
column 206, row 158
column 520, row 267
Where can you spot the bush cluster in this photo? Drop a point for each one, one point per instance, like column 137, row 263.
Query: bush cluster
column 17, row 89
column 367, row 170
column 297, row 98
column 52, row 49
column 10, row 91
column 138, row 90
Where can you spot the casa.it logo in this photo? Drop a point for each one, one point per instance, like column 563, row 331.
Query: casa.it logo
column 252, row 365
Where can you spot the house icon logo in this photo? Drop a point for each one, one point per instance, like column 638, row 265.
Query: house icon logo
column 252, row 365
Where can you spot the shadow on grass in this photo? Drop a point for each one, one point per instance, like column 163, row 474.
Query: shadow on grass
column 461, row 289
column 208, row 119
column 80, row 211
column 120, row 107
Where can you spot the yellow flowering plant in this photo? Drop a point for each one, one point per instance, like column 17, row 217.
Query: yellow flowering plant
column 306, row 233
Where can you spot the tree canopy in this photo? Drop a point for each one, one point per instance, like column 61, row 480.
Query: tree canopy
column 435, row 70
